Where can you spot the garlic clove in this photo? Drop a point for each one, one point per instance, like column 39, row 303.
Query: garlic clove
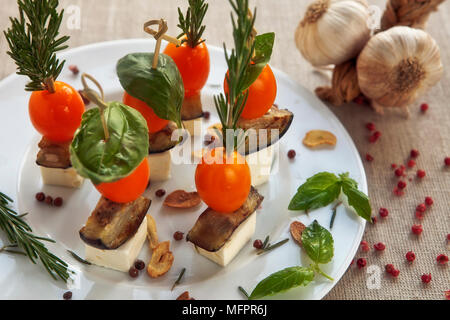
column 333, row 31
column 398, row 65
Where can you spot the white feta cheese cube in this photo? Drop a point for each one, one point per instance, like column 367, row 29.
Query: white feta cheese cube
column 231, row 248
column 122, row 258
column 160, row 164
column 61, row 177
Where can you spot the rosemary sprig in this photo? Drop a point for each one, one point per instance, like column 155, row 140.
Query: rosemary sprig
column 178, row 279
column 270, row 247
column 33, row 42
column 230, row 106
column 191, row 24
column 19, row 233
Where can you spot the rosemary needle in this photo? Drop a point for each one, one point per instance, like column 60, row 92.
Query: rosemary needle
column 242, row 290
column 273, row 246
column 179, row 279
column 78, row 258
column 333, row 216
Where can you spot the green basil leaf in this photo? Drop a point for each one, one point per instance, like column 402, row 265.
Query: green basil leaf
column 263, row 51
column 116, row 158
column 318, row 243
column 282, row 281
column 318, row 191
column 161, row 88
column 356, row 199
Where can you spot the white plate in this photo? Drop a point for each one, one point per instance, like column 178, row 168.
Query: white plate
column 203, row 278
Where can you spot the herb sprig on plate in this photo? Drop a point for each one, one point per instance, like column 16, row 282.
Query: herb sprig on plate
column 319, row 246
column 323, row 188
column 20, row 235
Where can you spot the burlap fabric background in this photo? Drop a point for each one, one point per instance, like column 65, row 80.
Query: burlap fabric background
column 103, row 20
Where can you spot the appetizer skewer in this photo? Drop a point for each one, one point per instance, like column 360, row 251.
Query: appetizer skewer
column 55, row 108
column 260, row 118
column 223, row 178
column 110, row 149
column 192, row 59
column 153, row 86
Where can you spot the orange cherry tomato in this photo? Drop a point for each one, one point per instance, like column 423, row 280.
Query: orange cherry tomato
column 56, row 115
column 129, row 188
column 223, row 182
column 193, row 64
column 261, row 94
column 154, row 123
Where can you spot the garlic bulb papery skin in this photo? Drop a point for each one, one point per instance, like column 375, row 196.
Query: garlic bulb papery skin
column 398, row 65
column 333, row 31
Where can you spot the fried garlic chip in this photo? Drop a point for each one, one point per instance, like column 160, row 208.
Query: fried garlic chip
column 182, row 199
column 315, row 138
column 296, row 231
column 152, row 234
column 161, row 261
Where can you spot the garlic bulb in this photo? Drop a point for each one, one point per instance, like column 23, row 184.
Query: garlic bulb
column 333, row 31
column 397, row 65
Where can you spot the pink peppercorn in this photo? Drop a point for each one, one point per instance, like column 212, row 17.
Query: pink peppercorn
column 421, row 207
column 389, row 268
column 374, row 220
column 410, row 256
column 424, row 107
column 417, row 229
column 448, row 237
column 393, row 166
column 365, row 246
column 383, row 212
column 421, row 173
column 369, row 157
column 399, row 172
column 398, row 192
column 395, row 273
column 380, row 246
column 414, row 153
column 361, row 263
column 426, row 278
column 375, row 136
column 447, row 294
column 447, row 161
column 442, row 259
column 401, row 184
column 411, row 163
column 370, row 126
column 419, row 215
column 429, row 201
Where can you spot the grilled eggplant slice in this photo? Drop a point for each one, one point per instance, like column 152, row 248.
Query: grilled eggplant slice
column 192, row 108
column 275, row 118
column 213, row 229
column 161, row 141
column 53, row 155
column 111, row 224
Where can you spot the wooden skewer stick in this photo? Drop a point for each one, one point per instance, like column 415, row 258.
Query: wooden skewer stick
column 93, row 96
column 159, row 36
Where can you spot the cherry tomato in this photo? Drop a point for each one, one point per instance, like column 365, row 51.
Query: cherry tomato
column 129, row 188
column 223, row 182
column 193, row 64
column 56, row 115
column 154, row 123
column 261, row 94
